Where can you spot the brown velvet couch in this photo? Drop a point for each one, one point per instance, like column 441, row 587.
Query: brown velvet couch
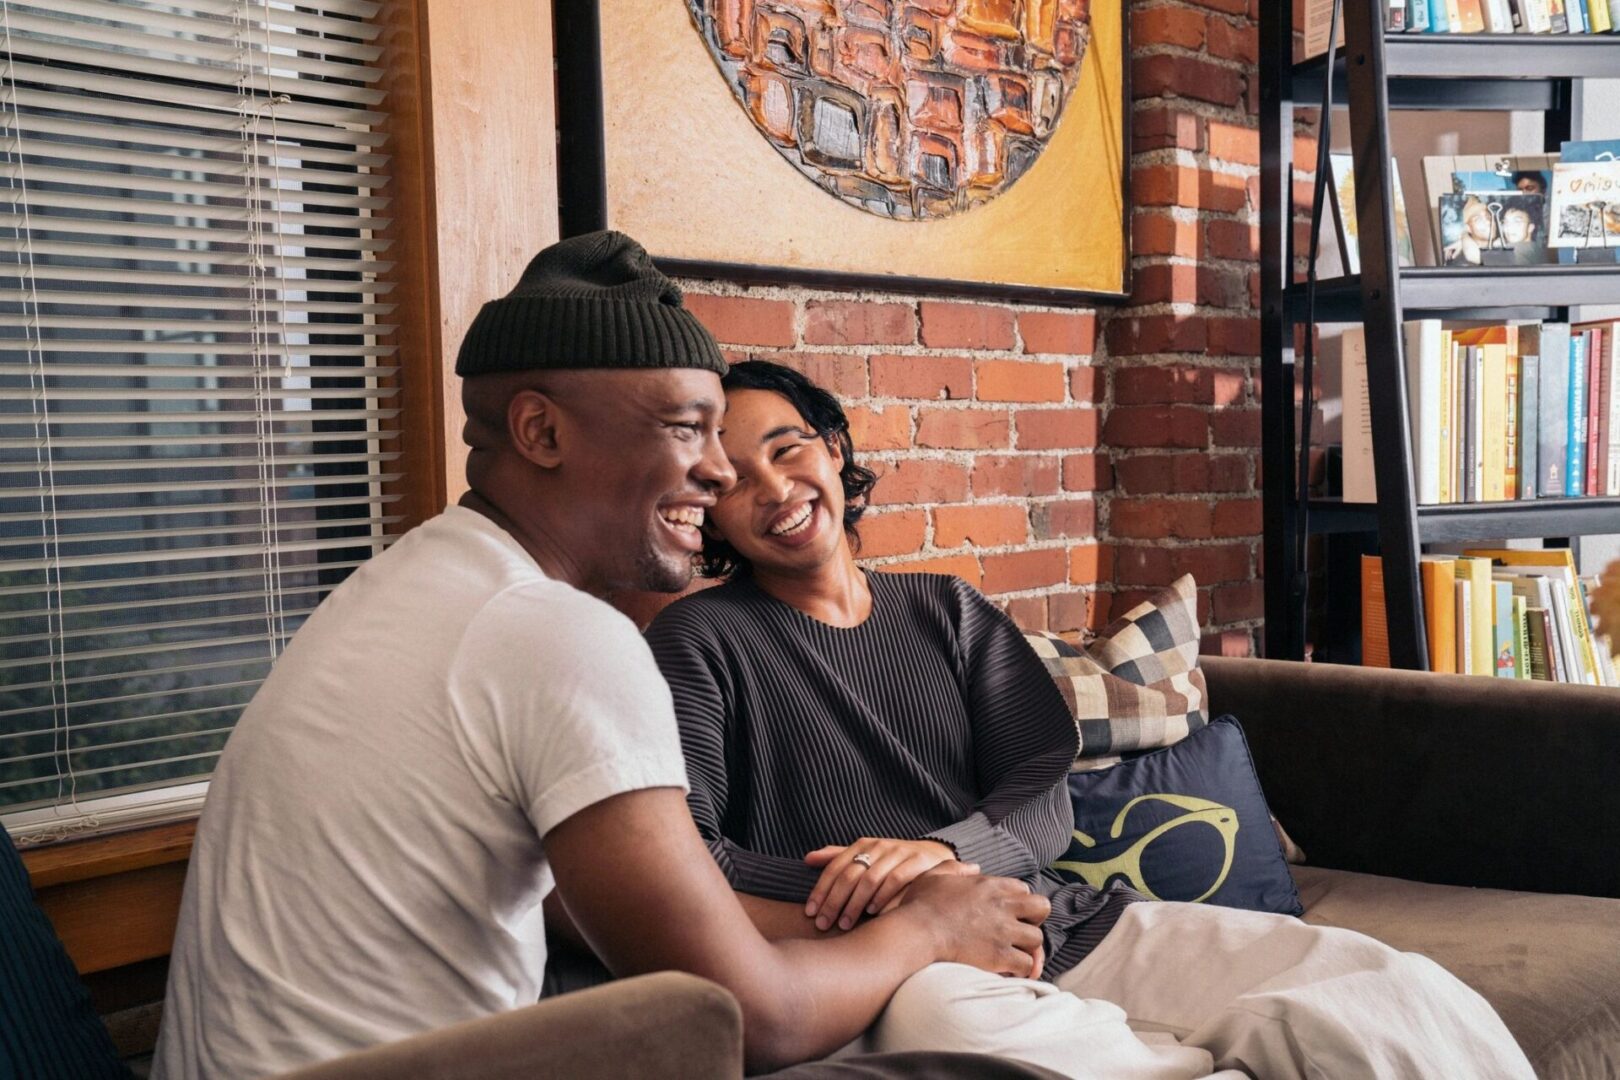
column 1474, row 820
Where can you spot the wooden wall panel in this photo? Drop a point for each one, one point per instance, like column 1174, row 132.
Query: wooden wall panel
column 494, row 167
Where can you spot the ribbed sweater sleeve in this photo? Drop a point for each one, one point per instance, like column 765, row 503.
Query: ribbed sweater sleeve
column 700, row 685
column 1024, row 741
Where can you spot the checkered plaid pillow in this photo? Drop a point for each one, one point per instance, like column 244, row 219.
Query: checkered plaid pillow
column 1137, row 686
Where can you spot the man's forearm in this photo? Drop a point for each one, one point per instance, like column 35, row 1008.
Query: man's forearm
column 778, row 920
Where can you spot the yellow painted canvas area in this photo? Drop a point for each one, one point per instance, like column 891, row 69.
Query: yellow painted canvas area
column 690, row 177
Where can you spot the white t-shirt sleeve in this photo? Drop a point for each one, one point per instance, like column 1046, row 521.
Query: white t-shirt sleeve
column 558, row 704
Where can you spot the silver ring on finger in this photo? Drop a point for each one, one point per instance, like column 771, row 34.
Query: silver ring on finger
column 864, row 859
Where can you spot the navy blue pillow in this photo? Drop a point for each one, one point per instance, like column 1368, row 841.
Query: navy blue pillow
column 47, row 1027
column 1187, row 822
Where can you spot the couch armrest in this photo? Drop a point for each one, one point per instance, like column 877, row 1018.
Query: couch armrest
column 1458, row 780
column 664, row 1025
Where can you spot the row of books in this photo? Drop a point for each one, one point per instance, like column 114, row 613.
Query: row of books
column 1497, row 412
column 1511, row 614
column 1312, row 18
column 1502, row 16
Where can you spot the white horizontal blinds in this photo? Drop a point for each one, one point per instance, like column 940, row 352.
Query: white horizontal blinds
column 196, row 411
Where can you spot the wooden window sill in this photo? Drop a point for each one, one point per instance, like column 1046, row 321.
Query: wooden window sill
column 114, row 900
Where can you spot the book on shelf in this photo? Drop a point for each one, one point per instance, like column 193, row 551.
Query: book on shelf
column 1360, row 481
column 1496, row 412
column 1496, row 612
column 1471, row 17
column 1423, row 390
column 1488, row 352
column 1602, row 648
column 1575, row 451
column 1465, row 628
column 1504, row 22
column 1374, row 625
column 1505, row 632
column 1527, row 431
column 1541, row 663
column 1313, row 18
column 1596, row 410
column 1439, row 578
column 1611, row 418
column 1474, row 612
column 1548, row 342
column 1531, row 17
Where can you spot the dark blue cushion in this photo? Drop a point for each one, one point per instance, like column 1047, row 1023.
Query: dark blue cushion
column 47, row 1028
column 1187, row 822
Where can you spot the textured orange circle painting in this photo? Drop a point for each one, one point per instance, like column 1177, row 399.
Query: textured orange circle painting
column 908, row 109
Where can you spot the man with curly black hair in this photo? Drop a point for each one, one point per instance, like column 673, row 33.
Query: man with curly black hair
column 847, row 731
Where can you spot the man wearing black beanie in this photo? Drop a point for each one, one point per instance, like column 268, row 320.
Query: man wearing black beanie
column 464, row 723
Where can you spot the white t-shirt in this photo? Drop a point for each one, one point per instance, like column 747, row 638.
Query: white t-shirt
column 368, row 865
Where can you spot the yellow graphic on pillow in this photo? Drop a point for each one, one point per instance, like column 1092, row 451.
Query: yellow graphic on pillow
column 1128, row 863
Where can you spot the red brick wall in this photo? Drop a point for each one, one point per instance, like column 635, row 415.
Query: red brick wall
column 1065, row 460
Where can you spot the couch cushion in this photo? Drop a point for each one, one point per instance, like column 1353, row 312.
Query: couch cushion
column 1136, row 686
column 1187, row 823
column 1549, row 964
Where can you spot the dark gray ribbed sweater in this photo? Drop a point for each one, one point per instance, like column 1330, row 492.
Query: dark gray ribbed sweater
column 932, row 719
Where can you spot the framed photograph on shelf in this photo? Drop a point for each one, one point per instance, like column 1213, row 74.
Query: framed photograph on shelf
column 1585, row 211
column 954, row 147
column 1493, row 228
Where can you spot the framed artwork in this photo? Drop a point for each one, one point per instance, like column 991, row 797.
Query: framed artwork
column 966, row 147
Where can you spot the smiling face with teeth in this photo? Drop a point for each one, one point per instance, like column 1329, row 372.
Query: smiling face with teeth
column 604, row 476
column 785, row 514
column 658, row 450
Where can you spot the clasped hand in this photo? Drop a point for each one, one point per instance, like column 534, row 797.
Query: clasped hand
column 849, row 888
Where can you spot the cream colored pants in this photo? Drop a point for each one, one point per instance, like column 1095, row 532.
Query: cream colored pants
column 1176, row 991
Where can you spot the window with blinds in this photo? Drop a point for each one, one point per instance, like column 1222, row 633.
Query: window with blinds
column 195, row 410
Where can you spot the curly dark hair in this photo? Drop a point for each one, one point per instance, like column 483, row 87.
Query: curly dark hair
column 821, row 411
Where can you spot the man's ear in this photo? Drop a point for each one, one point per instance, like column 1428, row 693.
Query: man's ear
column 531, row 425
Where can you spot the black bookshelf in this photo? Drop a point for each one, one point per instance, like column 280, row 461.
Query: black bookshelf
column 1374, row 74
column 1444, row 291
column 1467, row 522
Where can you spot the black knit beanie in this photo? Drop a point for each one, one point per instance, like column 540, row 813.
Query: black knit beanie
column 591, row 301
